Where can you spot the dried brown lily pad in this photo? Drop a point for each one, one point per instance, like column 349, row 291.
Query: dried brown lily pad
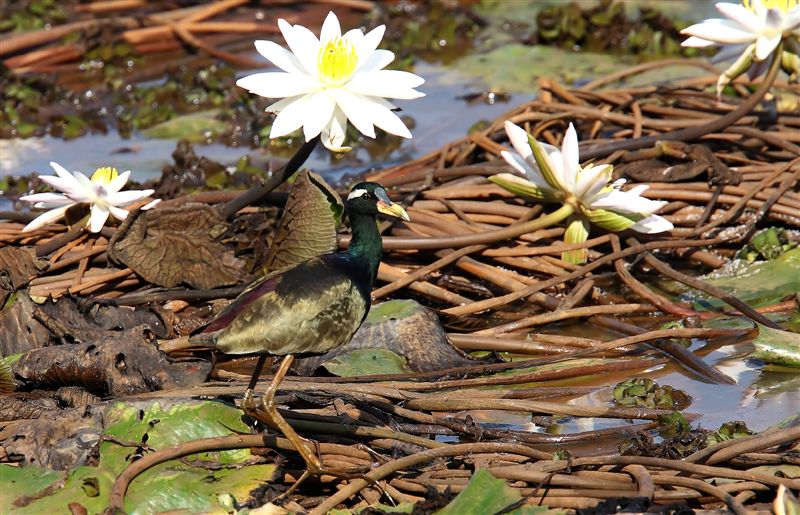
column 308, row 226
column 20, row 331
column 169, row 246
column 121, row 363
column 17, row 266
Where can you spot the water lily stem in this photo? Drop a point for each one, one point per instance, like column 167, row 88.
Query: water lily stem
column 507, row 233
column 693, row 133
column 257, row 193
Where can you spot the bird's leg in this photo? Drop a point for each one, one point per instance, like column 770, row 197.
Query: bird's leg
column 248, row 402
column 277, row 421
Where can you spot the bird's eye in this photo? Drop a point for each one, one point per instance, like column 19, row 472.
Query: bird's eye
column 365, row 195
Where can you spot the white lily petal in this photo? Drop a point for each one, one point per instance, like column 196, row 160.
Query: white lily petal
column 388, row 121
column 626, row 202
column 741, row 15
column 766, row 45
column 333, row 134
column 719, row 31
column 281, row 104
column 653, row 224
column 118, row 182
column 729, row 52
column 556, row 159
column 291, row 117
column 386, row 83
column 322, row 105
column 304, row 44
column 280, row 57
column 357, row 109
column 368, row 43
column 98, row 218
column 278, row 84
column 519, row 140
column 592, row 180
column 70, row 185
column 571, row 158
column 60, row 170
column 330, row 28
column 531, row 172
column 150, row 205
column 46, row 218
column 118, row 213
column 123, row 198
column 48, row 200
column 695, row 42
column 377, row 61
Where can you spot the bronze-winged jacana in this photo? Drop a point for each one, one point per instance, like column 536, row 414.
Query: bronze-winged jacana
column 309, row 308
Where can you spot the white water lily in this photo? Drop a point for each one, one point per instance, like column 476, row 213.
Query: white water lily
column 752, row 31
column 102, row 192
column 329, row 80
column 553, row 175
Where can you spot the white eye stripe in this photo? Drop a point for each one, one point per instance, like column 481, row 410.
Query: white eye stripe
column 356, row 193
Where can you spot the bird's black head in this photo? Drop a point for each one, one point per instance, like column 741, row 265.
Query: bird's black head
column 369, row 198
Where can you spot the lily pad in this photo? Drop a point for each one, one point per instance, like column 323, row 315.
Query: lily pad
column 184, row 485
column 173, row 245
column 308, row 226
column 759, row 284
column 777, row 347
column 487, row 494
column 367, row 362
column 194, row 127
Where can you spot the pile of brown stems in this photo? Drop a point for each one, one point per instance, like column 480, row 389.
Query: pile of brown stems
column 380, row 434
column 501, row 294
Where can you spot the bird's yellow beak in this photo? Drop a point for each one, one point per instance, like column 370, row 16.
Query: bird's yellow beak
column 392, row 209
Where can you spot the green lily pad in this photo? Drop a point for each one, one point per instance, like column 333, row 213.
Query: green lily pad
column 195, row 127
column 367, row 362
column 201, row 483
column 777, row 347
column 487, row 494
column 759, row 284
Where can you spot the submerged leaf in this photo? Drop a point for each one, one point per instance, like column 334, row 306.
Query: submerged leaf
column 367, row 362
column 308, row 226
column 777, row 347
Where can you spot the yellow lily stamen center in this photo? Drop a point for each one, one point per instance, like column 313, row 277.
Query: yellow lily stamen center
column 782, row 5
column 104, row 175
column 336, row 62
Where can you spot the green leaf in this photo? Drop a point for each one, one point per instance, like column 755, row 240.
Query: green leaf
column 174, row 485
column 487, row 494
column 759, row 284
column 367, row 362
column 610, row 220
column 522, row 187
column 577, row 232
column 777, row 347
column 21, row 482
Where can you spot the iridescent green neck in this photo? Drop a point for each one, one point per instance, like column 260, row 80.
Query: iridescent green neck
column 366, row 244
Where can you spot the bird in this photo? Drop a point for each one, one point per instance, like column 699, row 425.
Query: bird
column 308, row 308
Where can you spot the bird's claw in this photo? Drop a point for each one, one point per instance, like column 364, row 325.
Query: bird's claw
column 248, row 401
